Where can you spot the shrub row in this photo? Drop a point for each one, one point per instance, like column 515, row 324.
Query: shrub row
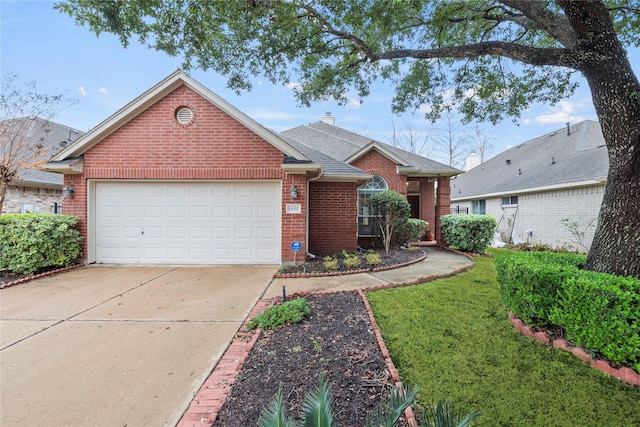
column 468, row 232
column 32, row 242
column 600, row 312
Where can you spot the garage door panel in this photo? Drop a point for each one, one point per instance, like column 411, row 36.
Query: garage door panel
column 190, row 223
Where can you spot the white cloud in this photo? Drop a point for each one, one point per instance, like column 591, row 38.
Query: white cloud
column 294, row 86
column 103, row 90
column 354, row 104
column 83, row 92
column 562, row 113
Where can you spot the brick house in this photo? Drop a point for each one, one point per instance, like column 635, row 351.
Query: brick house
column 530, row 188
column 34, row 190
column 179, row 176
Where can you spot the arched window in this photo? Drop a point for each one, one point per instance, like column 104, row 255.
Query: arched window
column 366, row 226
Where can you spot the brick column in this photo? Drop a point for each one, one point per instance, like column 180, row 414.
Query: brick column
column 443, row 204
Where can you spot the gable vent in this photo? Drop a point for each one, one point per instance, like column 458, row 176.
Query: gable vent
column 184, row 115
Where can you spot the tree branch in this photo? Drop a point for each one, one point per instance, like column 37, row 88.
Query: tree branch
column 529, row 55
column 556, row 25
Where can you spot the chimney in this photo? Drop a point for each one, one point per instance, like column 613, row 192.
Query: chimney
column 471, row 161
column 328, row 119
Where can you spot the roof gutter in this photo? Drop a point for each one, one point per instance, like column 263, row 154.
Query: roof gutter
column 585, row 183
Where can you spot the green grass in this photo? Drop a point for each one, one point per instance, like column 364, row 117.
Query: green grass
column 453, row 338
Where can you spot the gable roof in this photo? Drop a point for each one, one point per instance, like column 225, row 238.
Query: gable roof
column 56, row 137
column 146, row 100
column 345, row 147
column 566, row 158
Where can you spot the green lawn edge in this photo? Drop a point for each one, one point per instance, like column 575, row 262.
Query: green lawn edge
column 452, row 337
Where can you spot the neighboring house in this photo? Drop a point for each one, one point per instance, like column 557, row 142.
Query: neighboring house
column 36, row 190
column 530, row 188
column 179, row 176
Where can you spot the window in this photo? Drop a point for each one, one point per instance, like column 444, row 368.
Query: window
column 366, row 217
column 479, row 207
column 511, row 200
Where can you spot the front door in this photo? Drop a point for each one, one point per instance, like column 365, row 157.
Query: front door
column 414, row 201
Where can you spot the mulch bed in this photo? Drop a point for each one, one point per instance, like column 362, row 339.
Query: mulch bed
column 336, row 339
column 316, row 266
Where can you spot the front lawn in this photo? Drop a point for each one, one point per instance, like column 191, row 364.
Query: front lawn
column 452, row 337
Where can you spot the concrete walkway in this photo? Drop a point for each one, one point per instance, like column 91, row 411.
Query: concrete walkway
column 118, row 345
column 439, row 262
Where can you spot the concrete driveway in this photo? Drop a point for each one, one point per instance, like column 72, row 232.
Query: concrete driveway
column 118, row 345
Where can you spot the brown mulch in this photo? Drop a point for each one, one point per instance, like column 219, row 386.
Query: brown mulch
column 316, row 266
column 336, row 339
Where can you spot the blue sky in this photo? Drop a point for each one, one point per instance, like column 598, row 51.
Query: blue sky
column 39, row 43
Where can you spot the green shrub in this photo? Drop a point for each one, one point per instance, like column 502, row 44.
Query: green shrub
column 530, row 282
column 373, row 258
column 411, row 230
column 393, row 209
column 602, row 311
column 31, row 242
column 331, row 263
column 352, row 262
column 288, row 312
column 468, row 232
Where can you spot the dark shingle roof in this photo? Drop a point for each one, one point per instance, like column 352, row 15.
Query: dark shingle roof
column 57, row 138
column 555, row 159
column 341, row 144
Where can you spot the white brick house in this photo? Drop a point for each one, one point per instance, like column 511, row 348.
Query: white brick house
column 531, row 188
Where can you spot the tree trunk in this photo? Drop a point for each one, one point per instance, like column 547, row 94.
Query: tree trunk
column 3, row 192
column 616, row 97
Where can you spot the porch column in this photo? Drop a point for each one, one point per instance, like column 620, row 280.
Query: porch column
column 443, row 204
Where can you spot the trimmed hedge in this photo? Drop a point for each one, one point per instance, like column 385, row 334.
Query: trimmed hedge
column 32, row 242
column 600, row 312
column 530, row 282
column 468, row 232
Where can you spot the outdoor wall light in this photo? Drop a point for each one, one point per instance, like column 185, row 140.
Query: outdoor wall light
column 67, row 192
column 293, row 192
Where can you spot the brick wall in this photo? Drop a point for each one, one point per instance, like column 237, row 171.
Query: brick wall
column 213, row 146
column 42, row 199
column 443, row 204
column 333, row 214
column 375, row 163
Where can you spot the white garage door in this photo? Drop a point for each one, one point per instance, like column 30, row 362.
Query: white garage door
column 187, row 223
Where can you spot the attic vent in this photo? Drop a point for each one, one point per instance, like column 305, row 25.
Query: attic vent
column 184, row 115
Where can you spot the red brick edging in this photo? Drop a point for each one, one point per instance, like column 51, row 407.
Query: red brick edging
column 623, row 373
column 408, row 413
column 344, row 273
column 208, row 401
column 38, row 276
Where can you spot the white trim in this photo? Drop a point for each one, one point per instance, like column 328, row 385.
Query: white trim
column 566, row 185
column 374, row 146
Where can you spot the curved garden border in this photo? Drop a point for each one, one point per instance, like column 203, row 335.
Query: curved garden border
column 38, row 276
column 623, row 373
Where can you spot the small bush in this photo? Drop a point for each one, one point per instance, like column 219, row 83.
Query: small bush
column 352, row 262
column 468, row 232
column 31, row 242
column 411, row 230
column 373, row 258
column 331, row 263
column 289, row 312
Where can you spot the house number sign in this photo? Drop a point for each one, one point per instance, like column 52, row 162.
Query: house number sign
column 294, row 208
